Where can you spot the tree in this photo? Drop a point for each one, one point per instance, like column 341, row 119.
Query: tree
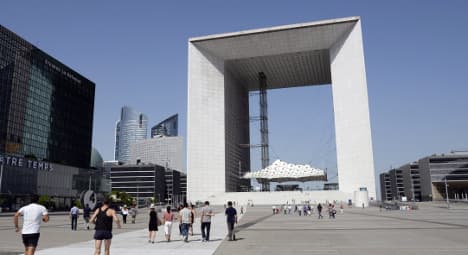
column 44, row 200
column 121, row 197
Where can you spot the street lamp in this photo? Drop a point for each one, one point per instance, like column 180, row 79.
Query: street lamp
column 446, row 193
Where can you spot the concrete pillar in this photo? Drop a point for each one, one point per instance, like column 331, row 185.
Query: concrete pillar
column 355, row 160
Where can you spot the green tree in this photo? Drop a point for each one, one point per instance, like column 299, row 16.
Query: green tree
column 121, row 197
column 78, row 203
column 44, row 200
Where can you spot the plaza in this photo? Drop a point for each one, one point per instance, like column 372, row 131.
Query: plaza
column 430, row 230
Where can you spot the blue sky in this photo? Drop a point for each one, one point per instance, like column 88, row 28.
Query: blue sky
column 136, row 53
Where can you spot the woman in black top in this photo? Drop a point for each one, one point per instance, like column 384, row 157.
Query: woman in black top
column 103, row 218
column 192, row 219
column 153, row 224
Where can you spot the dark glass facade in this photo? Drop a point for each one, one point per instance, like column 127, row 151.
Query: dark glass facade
column 167, row 127
column 62, row 184
column 46, row 108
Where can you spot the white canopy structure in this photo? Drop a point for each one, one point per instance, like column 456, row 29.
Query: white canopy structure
column 281, row 171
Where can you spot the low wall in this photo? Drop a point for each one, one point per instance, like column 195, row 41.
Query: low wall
column 280, row 197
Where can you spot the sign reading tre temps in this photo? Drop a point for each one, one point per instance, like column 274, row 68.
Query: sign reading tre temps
column 23, row 162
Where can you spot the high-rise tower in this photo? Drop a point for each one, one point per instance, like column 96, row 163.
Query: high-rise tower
column 167, row 127
column 131, row 127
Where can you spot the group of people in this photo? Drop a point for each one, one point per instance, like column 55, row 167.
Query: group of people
column 186, row 218
column 125, row 212
column 307, row 209
column 104, row 217
column 74, row 214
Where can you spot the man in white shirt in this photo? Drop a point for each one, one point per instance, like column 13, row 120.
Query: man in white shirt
column 184, row 219
column 32, row 216
column 74, row 216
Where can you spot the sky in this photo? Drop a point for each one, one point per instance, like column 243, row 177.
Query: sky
column 136, row 52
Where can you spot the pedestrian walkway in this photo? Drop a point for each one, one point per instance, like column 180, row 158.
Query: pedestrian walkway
column 136, row 242
column 430, row 230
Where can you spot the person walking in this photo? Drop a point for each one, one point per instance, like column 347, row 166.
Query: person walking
column 153, row 224
column 133, row 212
column 331, row 211
column 205, row 219
column 192, row 218
column 32, row 216
column 184, row 219
column 124, row 214
column 179, row 208
column 86, row 215
column 168, row 218
column 74, row 217
column 103, row 218
column 319, row 210
column 231, row 218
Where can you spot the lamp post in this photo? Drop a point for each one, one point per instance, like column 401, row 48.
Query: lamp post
column 446, row 193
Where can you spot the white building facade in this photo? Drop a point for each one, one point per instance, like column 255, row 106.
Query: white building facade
column 223, row 69
column 167, row 151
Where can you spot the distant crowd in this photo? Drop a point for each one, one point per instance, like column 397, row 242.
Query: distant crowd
column 306, row 209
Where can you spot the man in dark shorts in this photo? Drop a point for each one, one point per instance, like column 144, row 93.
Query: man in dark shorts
column 103, row 218
column 231, row 217
column 32, row 216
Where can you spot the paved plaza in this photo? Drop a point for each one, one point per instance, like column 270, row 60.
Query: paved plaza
column 430, row 230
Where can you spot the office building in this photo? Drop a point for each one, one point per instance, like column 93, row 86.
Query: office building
column 167, row 127
column 165, row 151
column 426, row 179
column 145, row 182
column 46, row 108
column 132, row 127
column 46, row 124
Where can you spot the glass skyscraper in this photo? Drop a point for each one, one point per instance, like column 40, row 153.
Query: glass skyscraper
column 46, row 108
column 167, row 127
column 132, row 127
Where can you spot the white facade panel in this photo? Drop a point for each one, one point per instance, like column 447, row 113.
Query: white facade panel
column 160, row 151
column 205, row 125
column 352, row 124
